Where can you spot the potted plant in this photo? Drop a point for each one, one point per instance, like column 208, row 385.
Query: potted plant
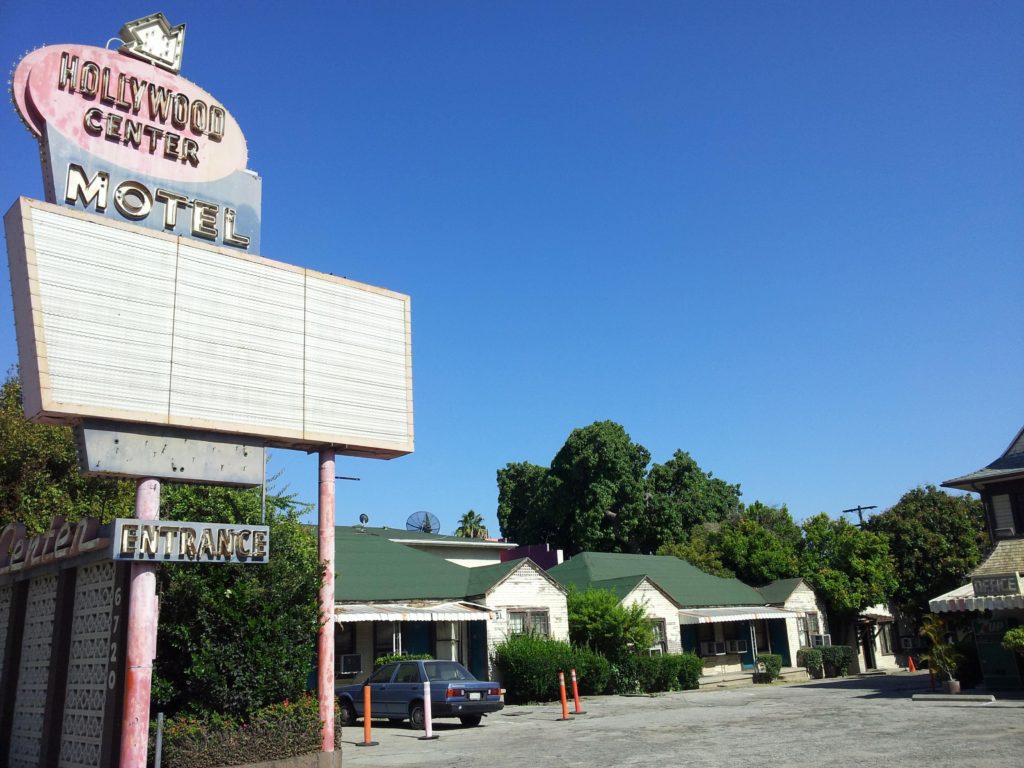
column 943, row 657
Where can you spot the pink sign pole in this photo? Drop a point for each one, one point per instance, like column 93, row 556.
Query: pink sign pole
column 141, row 650
column 325, row 641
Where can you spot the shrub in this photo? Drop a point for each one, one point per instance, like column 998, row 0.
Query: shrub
column 593, row 671
column 811, row 659
column 655, row 674
column 380, row 661
column 690, row 667
column 1013, row 640
column 836, row 659
column 209, row 739
column 528, row 666
column 599, row 621
column 772, row 665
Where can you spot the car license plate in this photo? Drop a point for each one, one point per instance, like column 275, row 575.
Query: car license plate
column 474, row 696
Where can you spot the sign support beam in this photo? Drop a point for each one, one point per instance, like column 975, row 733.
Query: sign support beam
column 141, row 645
column 325, row 640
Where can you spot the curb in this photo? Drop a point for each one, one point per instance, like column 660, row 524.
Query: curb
column 978, row 698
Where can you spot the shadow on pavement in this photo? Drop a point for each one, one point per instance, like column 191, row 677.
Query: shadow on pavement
column 876, row 686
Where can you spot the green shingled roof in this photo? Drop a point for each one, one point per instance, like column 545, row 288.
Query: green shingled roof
column 370, row 567
column 779, row 591
column 621, row 586
column 483, row 577
column 687, row 585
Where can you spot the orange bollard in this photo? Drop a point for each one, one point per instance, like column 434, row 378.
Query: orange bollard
column 367, row 742
column 565, row 703
column 576, row 695
column 911, row 666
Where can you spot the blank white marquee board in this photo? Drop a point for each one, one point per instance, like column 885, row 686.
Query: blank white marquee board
column 119, row 322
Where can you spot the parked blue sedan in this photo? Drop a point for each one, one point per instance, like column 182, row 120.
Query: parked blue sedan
column 396, row 693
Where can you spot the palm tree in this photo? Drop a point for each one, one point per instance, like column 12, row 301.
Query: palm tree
column 471, row 526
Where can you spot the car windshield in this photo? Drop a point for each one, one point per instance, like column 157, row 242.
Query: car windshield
column 446, row 670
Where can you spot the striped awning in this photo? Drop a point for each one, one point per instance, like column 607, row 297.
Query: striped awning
column 420, row 610
column 737, row 613
column 962, row 599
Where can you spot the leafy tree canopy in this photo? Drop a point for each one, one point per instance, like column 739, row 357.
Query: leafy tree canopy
column 39, row 477
column 600, row 622
column 471, row 526
column 690, row 496
column 523, row 492
column 700, row 548
column 936, row 539
column 850, row 568
column 761, row 544
column 597, row 490
column 234, row 638
column 598, row 495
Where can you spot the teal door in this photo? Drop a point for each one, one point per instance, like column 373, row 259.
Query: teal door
column 478, row 649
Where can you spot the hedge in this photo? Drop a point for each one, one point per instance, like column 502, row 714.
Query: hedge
column 380, row 661
column 811, row 659
column 772, row 666
column 529, row 668
column 836, row 659
column 209, row 740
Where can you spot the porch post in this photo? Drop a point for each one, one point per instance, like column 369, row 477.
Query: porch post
column 325, row 640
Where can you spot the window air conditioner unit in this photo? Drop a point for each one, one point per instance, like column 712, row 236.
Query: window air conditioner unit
column 817, row 641
column 711, row 648
column 351, row 663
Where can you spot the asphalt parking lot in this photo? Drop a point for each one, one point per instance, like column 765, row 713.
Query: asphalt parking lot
column 869, row 721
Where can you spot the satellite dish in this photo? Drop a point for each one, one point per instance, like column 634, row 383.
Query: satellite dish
column 425, row 522
column 364, row 518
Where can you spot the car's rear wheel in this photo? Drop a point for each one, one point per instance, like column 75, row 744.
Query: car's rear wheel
column 348, row 713
column 471, row 720
column 416, row 715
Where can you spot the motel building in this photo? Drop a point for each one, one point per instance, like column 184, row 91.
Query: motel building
column 994, row 598
column 453, row 598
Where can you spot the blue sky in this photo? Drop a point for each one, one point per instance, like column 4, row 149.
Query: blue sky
column 785, row 237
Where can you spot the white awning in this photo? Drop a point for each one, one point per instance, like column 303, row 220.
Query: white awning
column 738, row 613
column 962, row 599
column 420, row 610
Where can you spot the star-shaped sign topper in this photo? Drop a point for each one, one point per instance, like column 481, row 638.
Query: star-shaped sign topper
column 152, row 39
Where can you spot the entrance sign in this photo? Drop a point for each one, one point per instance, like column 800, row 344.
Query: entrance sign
column 172, row 541
column 117, row 322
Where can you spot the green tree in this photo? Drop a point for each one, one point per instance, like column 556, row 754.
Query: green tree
column 700, row 547
column 761, row 544
column 599, row 621
column 597, row 492
column 471, row 526
column 523, row 493
column 680, row 491
column 39, row 476
column 936, row 540
column 234, row 638
column 850, row 569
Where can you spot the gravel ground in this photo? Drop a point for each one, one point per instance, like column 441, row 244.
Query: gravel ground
column 869, row 721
